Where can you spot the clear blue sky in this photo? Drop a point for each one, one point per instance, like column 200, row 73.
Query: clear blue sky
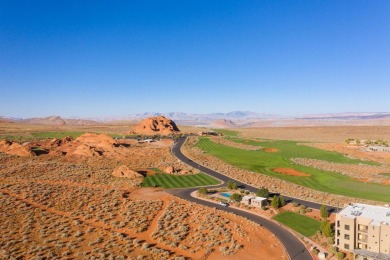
column 99, row 58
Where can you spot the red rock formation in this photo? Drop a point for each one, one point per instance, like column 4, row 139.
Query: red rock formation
column 156, row 125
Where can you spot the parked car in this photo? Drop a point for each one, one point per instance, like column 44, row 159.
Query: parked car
column 223, row 204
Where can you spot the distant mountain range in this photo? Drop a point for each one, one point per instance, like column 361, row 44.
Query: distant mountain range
column 221, row 120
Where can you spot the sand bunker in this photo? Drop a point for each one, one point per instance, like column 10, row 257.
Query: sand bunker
column 270, row 150
column 291, row 172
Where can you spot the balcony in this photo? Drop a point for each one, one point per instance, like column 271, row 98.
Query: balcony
column 363, row 230
column 362, row 239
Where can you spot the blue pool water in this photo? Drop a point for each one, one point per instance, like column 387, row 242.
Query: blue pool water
column 227, row 195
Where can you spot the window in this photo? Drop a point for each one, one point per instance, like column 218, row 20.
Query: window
column 346, row 246
column 346, row 227
column 346, row 237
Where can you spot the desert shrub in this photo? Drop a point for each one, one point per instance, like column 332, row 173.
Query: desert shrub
column 340, row 255
column 315, row 251
column 236, row 197
column 263, row 192
column 203, row 191
column 333, row 250
column 330, row 240
column 295, row 204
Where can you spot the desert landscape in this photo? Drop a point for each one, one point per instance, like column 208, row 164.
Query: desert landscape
column 81, row 197
column 78, row 191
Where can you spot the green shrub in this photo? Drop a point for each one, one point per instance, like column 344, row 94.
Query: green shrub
column 203, row 191
column 263, row 192
column 236, row 197
column 340, row 255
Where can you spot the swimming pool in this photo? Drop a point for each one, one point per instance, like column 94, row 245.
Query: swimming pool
column 227, row 195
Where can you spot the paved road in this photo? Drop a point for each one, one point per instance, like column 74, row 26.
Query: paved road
column 295, row 248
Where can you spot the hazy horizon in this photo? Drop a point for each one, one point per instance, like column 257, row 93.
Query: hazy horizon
column 286, row 58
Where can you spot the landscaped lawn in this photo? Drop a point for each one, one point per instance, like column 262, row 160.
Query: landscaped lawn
column 170, row 181
column 264, row 163
column 300, row 223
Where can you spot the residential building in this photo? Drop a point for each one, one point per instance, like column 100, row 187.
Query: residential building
column 383, row 149
column 254, row 201
column 364, row 230
column 259, row 202
column 247, row 199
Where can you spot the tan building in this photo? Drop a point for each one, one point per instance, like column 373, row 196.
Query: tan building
column 247, row 199
column 364, row 230
column 254, row 201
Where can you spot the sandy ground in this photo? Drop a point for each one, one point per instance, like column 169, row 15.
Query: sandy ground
column 66, row 207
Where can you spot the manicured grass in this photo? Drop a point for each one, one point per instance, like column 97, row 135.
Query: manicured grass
column 291, row 149
column 300, row 223
column 264, row 162
column 170, row 181
column 59, row 135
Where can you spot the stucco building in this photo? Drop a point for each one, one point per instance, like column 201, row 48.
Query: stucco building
column 254, row 201
column 364, row 230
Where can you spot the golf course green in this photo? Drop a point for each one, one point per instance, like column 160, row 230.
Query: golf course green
column 265, row 162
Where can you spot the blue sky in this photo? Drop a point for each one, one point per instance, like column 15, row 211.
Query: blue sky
column 101, row 58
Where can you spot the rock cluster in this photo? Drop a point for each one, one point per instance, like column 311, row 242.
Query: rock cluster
column 15, row 148
column 156, row 125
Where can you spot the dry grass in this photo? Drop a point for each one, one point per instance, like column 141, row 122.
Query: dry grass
column 57, row 207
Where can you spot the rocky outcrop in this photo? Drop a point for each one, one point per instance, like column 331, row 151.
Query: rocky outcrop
column 156, row 125
column 124, row 172
column 169, row 169
column 15, row 148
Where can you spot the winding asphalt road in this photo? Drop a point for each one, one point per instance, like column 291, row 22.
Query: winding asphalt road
column 295, row 248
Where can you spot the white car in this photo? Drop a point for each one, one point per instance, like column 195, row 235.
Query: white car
column 223, row 204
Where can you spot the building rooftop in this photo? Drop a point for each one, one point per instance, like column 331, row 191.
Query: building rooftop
column 260, row 198
column 377, row 214
column 248, row 197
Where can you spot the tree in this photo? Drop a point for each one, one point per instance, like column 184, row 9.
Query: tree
column 326, row 228
column 229, row 184
column 234, row 186
column 236, row 197
column 275, row 202
column 282, row 202
column 324, row 212
column 203, row 191
column 263, row 192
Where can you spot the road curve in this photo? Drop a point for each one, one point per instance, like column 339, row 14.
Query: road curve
column 294, row 246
